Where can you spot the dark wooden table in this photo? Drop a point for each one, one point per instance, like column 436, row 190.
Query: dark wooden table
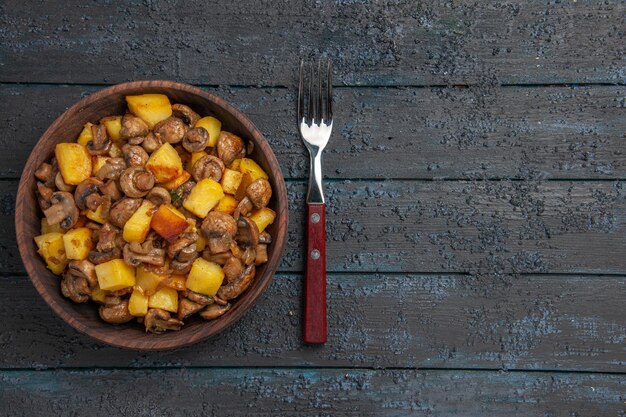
column 476, row 220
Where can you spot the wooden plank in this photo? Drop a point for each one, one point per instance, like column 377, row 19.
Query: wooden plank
column 399, row 133
column 296, row 392
column 482, row 227
column 382, row 43
column 375, row 320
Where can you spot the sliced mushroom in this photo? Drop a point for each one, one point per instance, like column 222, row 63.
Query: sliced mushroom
column 187, row 307
column 122, row 211
column 171, row 130
column 196, row 139
column 112, row 169
column 232, row 269
column 116, row 313
column 158, row 196
column 220, row 229
column 136, row 254
column 78, row 281
column 261, row 254
column 44, row 172
column 61, row 185
column 230, row 147
column 87, row 194
column 183, row 252
column 84, row 269
column 259, row 192
column 247, row 232
column 208, row 166
column 107, row 238
column 135, row 156
column 198, row 298
column 102, row 257
column 265, row 237
column 218, row 258
column 43, row 196
column 186, row 114
column 214, row 311
column 110, row 189
column 133, row 126
column 100, row 142
column 151, row 143
column 158, row 321
column 234, row 288
column 62, row 210
column 136, row 182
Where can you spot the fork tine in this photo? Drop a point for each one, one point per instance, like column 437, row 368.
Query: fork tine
column 329, row 93
column 311, row 109
column 301, row 93
column 319, row 95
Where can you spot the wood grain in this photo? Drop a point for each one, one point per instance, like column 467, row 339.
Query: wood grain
column 108, row 102
column 296, row 392
column 408, row 133
column 480, row 227
column 252, row 43
column 572, row 322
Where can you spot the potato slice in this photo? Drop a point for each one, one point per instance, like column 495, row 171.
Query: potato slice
column 113, row 125
column 249, row 166
column 77, row 243
column 166, row 299
column 148, row 282
column 231, row 180
column 74, row 162
column 227, row 205
column 151, row 108
column 205, row 277
column 169, row 222
column 203, row 197
column 137, row 227
column 213, row 128
column 98, row 294
column 263, row 217
column 177, row 182
column 165, row 163
column 46, row 228
column 138, row 304
column 85, row 135
column 115, row 275
column 52, row 250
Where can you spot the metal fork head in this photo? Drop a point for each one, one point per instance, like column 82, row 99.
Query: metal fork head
column 315, row 109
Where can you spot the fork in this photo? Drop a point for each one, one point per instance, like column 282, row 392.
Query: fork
column 315, row 122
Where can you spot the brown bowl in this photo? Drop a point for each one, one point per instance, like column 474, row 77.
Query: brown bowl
column 84, row 317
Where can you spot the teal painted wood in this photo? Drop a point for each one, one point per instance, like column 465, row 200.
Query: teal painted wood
column 478, row 227
column 297, row 392
column 374, row 320
column 252, row 43
column 478, row 132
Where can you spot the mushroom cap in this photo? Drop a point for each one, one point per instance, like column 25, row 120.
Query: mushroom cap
column 218, row 224
column 133, row 126
column 247, row 232
column 208, row 166
column 116, row 313
column 112, row 169
column 122, row 211
column 185, row 113
column 86, row 189
column 136, row 182
column 135, row 156
column 171, row 130
column 158, row 321
column 229, row 147
column 196, row 139
column 151, row 143
column 158, row 196
column 259, row 192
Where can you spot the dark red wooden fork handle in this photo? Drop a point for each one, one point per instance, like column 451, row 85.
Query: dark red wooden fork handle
column 315, row 276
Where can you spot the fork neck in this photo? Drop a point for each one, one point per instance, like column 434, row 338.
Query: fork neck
column 315, row 195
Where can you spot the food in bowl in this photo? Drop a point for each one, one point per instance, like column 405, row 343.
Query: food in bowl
column 155, row 215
